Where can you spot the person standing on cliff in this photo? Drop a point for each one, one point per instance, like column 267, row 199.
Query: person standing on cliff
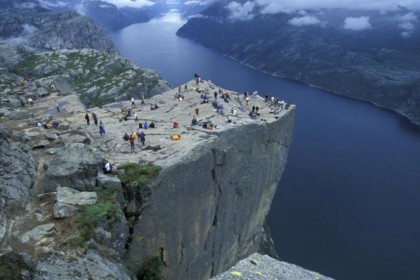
column 87, row 119
column 101, row 128
column 131, row 139
column 142, row 137
column 95, row 118
column 132, row 102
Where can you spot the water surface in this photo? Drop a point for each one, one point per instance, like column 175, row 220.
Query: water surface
column 348, row 204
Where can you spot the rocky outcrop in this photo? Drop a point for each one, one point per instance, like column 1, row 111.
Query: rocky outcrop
column 37, row 27
column 258, row 266
column 98, row 77
column 68, row 199
column 18, row 171
column 207, row 208
column 90, row 266
column 75, row 166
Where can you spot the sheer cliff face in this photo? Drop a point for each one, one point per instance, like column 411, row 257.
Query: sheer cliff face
column 207, row 211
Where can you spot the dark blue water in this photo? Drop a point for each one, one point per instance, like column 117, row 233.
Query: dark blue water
column 348, row 204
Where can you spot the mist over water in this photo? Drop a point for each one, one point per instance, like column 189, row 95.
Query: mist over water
column 348, row 204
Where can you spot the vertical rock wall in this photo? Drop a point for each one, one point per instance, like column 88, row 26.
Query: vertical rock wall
column 206, row 212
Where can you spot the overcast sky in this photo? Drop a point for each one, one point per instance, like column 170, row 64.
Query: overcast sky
column 405, row 21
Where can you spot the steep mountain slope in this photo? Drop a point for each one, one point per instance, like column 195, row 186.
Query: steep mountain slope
column 29, row 24
column 378, row 64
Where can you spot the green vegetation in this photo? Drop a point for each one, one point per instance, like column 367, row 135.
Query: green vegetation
column 11, row 266
column 137, row 174
column 90, row 216
column 152, row 270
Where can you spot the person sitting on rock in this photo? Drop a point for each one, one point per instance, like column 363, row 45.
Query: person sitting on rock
column 126, row 137
column 152, row 124
column 194, row 121
column 175, row 125
column 107, row 168
column 145, row 125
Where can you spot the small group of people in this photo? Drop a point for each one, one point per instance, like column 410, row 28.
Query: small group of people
column 94, row 117
column 138, row 134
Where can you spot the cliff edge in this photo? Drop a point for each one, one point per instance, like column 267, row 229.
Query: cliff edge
column 202, row 212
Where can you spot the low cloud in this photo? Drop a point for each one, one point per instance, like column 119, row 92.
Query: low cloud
column 357, row 23
column 276, row 6
column 240, row 11
column 304, row 20
column 130, row 3
column 407, row 24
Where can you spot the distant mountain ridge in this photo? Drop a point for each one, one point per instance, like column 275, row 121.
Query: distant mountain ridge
column 376, row 64
column 28, row 23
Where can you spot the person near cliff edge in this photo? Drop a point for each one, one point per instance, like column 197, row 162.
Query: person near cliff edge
column 95, row 119
column 87, row 119
column 107, row 168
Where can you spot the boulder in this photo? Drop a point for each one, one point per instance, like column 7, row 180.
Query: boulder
column 64, row 210
column 37, row 233
column 75, row 166
column 68, row 199
column 67, row 267
column 108, row 182
column 74, row 197
column 17, row 172
column 51, row 136
column 41, row 144
column 264, row 267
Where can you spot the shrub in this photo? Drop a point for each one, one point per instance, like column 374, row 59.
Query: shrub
column 137, row 174
column 11, row 266
column 90, row 215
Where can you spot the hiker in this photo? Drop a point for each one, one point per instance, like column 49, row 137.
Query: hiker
column 57, row 106
column 196, row 111
column 142, row 137
column 131, row 139
column 87, row 119
column 138, row 132
column 136, row 119
column 215, row 95
column 145, row 125
column 101, row 128
column 54, row 124
column 194, row 121
column 107, row 168
column 179, row 89
column 152, row 124
column 175, row 125
column 132, row 102
column 253, row 108
column 31, row 101
column 126, row 137
column 140, row 125
column 228, row 120
column 256, row 110
column 95, row 119
column 186, row 87
column 134, row 135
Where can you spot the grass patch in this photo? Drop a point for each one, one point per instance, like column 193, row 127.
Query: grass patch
column 11, row 266
column 90, row 215
column 137, row 174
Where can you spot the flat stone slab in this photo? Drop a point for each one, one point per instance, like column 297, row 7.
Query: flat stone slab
column 74, row 197
column 257, row 267
column 37, row 233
